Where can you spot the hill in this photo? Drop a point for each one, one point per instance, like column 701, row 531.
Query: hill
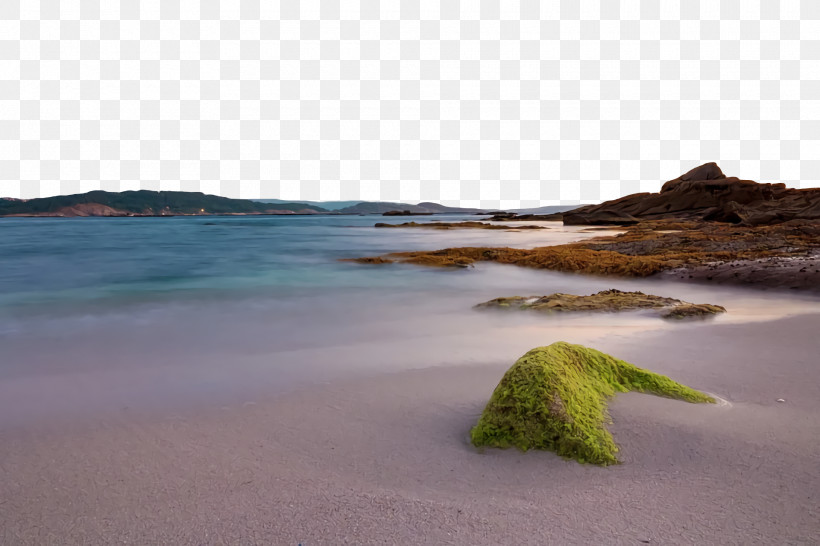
column 327, row 205
column 169, row 203
column 146, row 203
column 380, row 207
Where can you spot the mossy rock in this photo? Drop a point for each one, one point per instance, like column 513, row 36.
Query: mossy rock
column 606, row 301
column 373, row 260
column 555, row 398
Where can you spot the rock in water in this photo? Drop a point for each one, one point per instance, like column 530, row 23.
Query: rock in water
column 554, row 398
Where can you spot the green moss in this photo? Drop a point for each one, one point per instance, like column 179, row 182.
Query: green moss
column 555, row 397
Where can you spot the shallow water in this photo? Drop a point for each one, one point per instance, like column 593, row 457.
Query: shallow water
column 99, row 315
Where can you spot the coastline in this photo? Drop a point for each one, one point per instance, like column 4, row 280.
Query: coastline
column 384, row 457
column 779, row 256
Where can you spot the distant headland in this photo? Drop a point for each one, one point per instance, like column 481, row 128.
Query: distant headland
column 181, row 203
column 146, row 203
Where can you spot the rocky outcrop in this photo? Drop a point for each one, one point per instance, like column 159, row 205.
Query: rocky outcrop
column 605, row 301
column 455, row 225
column 705, row 193
column 783, row 272
column 782, row 255
column 599, row 218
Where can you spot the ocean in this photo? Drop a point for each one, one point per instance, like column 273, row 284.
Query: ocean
column 105, row 315
column 116, row 261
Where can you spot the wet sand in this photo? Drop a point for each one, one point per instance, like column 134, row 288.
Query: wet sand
column 384, row 458
column 793, row 273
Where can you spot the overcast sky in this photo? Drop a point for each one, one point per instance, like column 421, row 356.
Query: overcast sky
column 492, row 104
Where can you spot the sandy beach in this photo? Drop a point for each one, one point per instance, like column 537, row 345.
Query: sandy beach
column 380, row 458
column 409, row 273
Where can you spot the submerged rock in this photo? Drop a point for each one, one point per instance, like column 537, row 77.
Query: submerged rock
column 555, row 398
column 606, row 300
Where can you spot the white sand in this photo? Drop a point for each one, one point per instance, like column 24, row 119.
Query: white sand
column 385, row 458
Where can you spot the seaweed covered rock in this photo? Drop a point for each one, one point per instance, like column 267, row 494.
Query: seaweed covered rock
column 784, row 255
column 692, row 310
column 606, row 300
column 372, row 260
column 455, row 225
column 555, row 398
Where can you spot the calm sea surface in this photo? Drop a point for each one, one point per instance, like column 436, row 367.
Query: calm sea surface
column 101, row 314
column 114, row 261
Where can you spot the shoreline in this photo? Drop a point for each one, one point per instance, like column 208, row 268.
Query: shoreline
column 385, row 457
column 780, row 256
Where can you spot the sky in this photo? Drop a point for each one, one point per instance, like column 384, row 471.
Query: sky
column 469, row 103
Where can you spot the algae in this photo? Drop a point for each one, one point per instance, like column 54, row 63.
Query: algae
column 605, row 301
column 555, row 398
column 642, row 250
column 692, row 310
column 374, row 260
column 456, row 225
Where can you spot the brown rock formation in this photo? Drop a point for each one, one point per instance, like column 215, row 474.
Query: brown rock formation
column 705, row 193
column 599, row 218
column 785, row 255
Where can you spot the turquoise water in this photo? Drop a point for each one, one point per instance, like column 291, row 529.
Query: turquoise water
column 101, row 314
column 57, row 265
column 46, row 261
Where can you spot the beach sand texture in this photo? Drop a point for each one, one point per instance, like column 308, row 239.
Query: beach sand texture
column 385, row 458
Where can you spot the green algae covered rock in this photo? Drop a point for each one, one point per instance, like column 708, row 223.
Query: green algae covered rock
column 605, row 301
column 555, row 398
